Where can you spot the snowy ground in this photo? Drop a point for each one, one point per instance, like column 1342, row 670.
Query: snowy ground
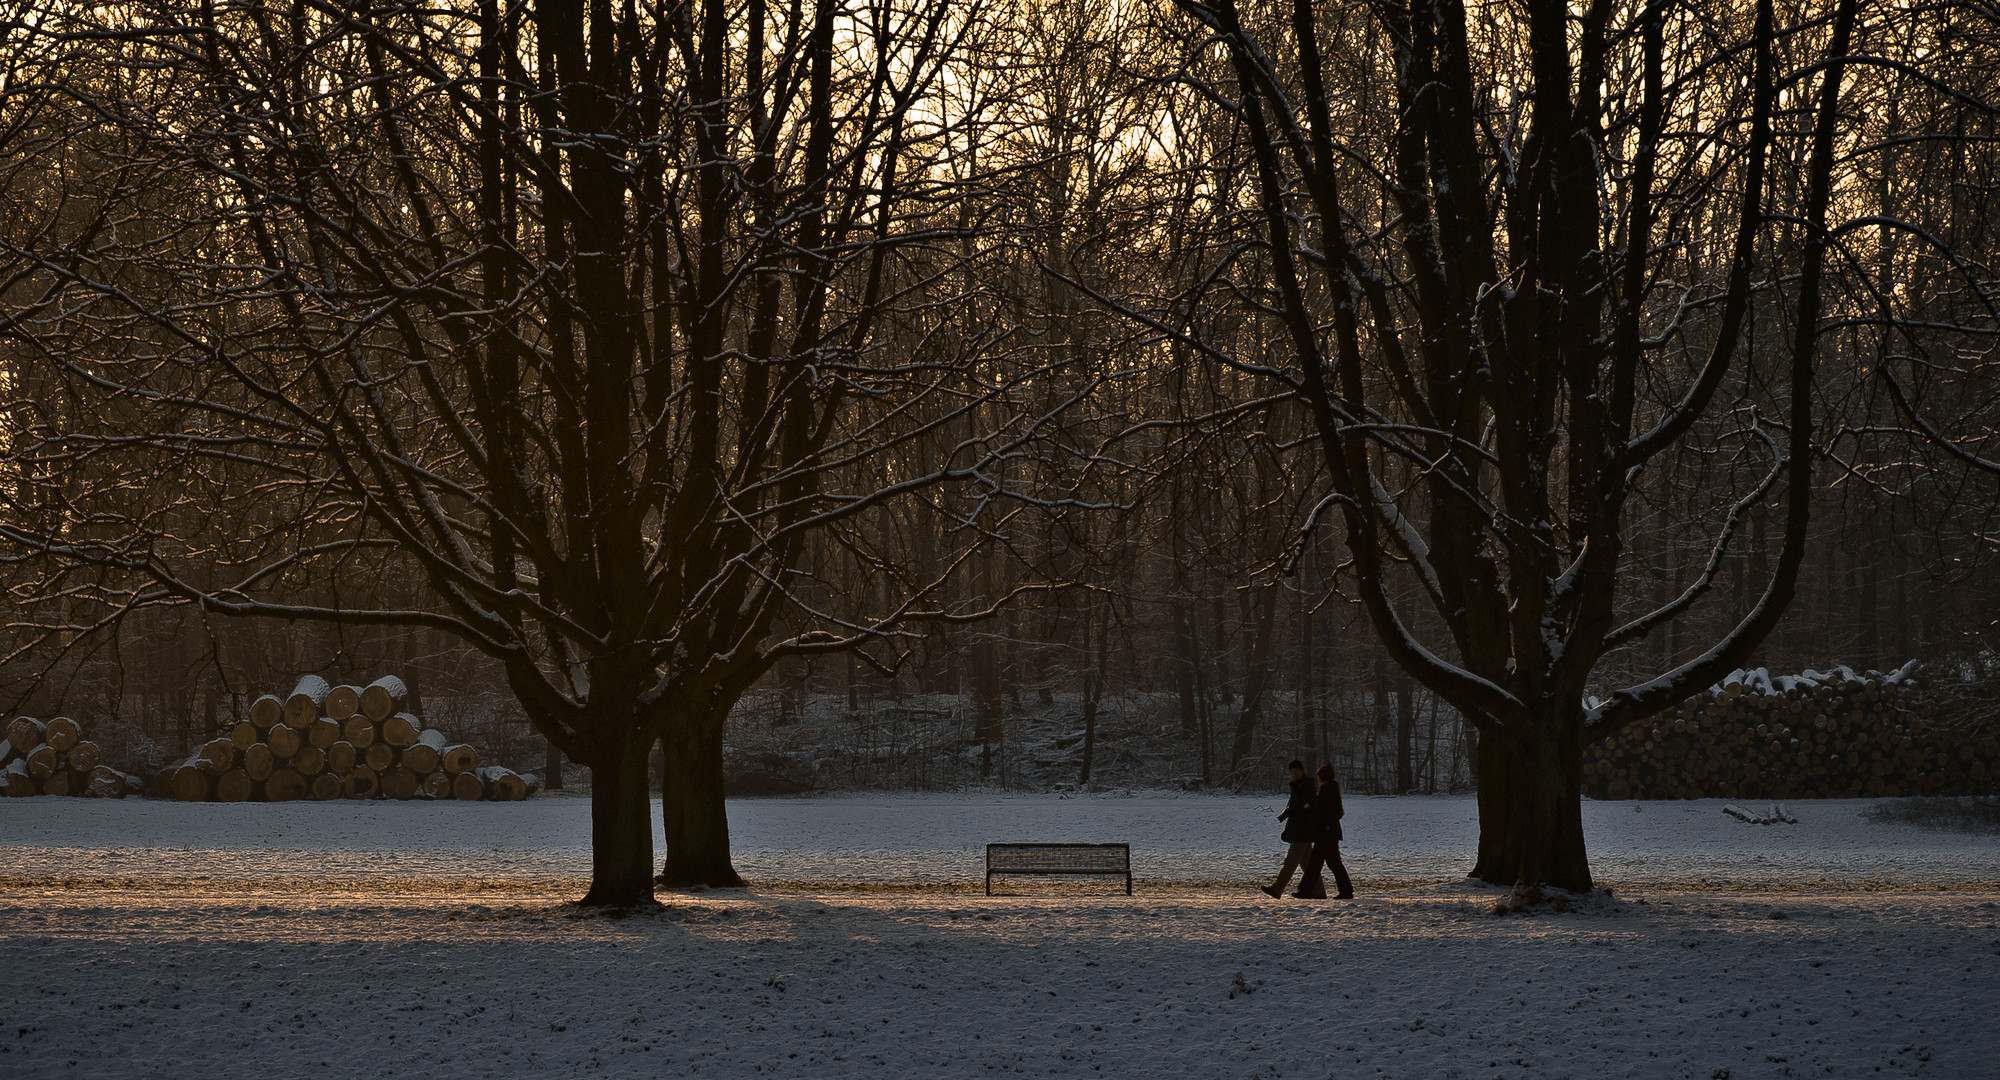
column 159, row 939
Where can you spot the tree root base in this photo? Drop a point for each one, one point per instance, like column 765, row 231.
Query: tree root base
column 589, row 908
column 731, row 880
column 1547, row 899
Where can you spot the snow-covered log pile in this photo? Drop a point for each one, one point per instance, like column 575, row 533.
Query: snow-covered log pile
column 337, row 742
column 54, row 758
column 1833, row 734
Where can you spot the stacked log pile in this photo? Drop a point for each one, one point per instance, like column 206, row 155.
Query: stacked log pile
column 1835, row 734
column 328, row 742
column 54, row 758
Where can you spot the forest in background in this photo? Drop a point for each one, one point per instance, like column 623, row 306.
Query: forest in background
column 166, row 682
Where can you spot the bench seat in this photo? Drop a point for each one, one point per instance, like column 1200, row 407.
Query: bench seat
column 1042, row 860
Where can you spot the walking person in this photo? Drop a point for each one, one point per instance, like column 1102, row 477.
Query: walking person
column 1326, row 813
column 1298, row 835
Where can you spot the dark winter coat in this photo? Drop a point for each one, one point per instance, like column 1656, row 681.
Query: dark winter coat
column 1300, row 825
column 1327, row 812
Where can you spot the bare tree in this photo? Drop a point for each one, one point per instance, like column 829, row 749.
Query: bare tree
column 1505, row 307
column 600, row 319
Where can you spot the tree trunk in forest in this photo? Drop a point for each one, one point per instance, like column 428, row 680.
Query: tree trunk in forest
column 414, row 702
column 1868, row 646
column 853, row 687
column 1406, row 736
column 1307, row 688
column 1431, row 753
column 1185, row 661
column 1205, row 721
column 1089, row 724
column 621, row 826
column 1531, row 806
column 208, row 711
column 986, row 713
column 1256, row 678
column 1093, row 686
column 1221, row 653
column 691, row 807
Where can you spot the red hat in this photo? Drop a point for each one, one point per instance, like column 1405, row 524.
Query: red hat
column 1325, row 774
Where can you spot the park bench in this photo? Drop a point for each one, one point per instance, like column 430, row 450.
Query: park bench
column 1039, row 860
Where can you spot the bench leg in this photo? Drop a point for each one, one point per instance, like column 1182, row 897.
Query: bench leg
column 1128, row 884
column 989, row 883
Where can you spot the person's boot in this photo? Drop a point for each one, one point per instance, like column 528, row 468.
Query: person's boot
column 1273, row 891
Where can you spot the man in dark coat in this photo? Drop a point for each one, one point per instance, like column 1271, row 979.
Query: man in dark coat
column 1299, row 827
column 1326, row 812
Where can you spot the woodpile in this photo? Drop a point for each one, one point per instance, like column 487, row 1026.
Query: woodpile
column 327, row 742
column 1834, row 734
column 54, row 758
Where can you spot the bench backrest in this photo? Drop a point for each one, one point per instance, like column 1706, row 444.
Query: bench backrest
column 1059, row 858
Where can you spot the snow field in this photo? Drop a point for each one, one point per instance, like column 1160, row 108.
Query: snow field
column 151, row 939
column 1177, row 841
column 1424, row 983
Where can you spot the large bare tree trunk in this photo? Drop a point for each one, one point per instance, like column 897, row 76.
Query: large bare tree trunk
column 621, row 825
column 1531, row 806
column 693, row 813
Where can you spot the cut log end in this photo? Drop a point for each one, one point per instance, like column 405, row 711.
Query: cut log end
column 401, row 730
column 362, row 783
column 284, row 740
column 190, row 783
column 286, row 785
column 424, row 757
column 503, row 784
column 343, row 702
column 360, row 731
column 25, row 733
column 105, row 783
column 267, row 712
column 383, row 698
column 323, row 733
column 259, row 762
column 234, row 785
column 466, row 787
column 306, row 701
column 216, row 756
column 459, row 759
column 63, row 733
column 309, row 761
column 84, row 757
column 400, row 783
